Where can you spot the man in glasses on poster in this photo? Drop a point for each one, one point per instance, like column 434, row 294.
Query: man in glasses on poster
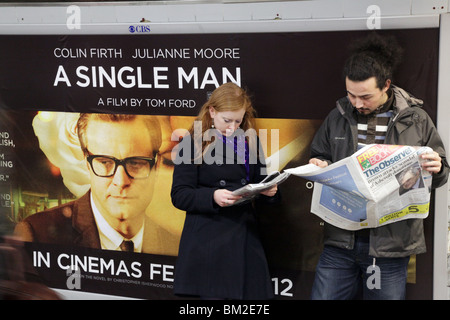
column 121, row 156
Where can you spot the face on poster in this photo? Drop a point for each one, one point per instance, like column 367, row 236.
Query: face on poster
column 166, row 78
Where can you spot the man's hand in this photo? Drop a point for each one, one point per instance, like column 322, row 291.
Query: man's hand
column 433, row 163
column 318, row 162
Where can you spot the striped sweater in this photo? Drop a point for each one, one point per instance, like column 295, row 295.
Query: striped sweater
column 372, row 128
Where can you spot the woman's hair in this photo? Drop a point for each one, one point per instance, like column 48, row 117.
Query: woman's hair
column 227, row 97
column 373, row 56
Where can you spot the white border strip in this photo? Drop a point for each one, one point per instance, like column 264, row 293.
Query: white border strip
column 440, row 273
column 264, row 26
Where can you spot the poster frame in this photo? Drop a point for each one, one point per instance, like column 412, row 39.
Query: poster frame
column 440, row 245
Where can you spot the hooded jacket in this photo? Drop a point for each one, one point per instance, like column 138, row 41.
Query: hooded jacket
column 410, row 125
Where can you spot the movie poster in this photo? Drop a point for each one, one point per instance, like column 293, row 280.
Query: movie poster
column 46, row 187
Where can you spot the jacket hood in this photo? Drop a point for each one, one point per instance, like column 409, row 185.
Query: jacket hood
column 404, row 99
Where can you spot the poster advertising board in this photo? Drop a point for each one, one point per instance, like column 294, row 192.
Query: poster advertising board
column 48, row 81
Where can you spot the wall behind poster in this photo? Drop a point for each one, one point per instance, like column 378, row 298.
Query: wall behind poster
column 294, row 78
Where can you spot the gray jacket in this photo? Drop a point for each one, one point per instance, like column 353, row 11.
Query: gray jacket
column 410, row 125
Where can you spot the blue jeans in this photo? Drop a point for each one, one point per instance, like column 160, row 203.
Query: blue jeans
column 341, row 272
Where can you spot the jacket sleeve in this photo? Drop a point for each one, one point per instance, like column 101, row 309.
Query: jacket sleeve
column 320, row 145
column 186, row 193
column 434, row 141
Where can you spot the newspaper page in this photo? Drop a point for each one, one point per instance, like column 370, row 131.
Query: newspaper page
column 378, row 185
column 250, row 191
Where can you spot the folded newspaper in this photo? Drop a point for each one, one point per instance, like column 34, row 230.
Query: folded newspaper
column 378, row 185
column 249, row 191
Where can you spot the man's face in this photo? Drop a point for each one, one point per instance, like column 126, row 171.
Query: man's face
column 365, row 96
column 120, row 197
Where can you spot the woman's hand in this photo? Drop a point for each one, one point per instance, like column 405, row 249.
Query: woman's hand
column 224, row 198
column 270, row 192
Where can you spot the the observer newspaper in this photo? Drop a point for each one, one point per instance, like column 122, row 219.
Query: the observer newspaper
column 377, row 185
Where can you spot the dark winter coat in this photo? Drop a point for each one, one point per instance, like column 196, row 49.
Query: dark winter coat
column 220, row 253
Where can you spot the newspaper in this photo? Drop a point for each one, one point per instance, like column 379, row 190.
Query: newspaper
column 378, row 185
column 250, row 191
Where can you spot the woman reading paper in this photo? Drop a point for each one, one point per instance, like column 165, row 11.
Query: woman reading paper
column 220, row 254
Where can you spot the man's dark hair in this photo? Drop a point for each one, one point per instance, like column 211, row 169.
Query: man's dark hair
column 373, row 56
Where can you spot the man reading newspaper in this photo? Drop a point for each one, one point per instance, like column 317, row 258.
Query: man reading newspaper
column 373, row 112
